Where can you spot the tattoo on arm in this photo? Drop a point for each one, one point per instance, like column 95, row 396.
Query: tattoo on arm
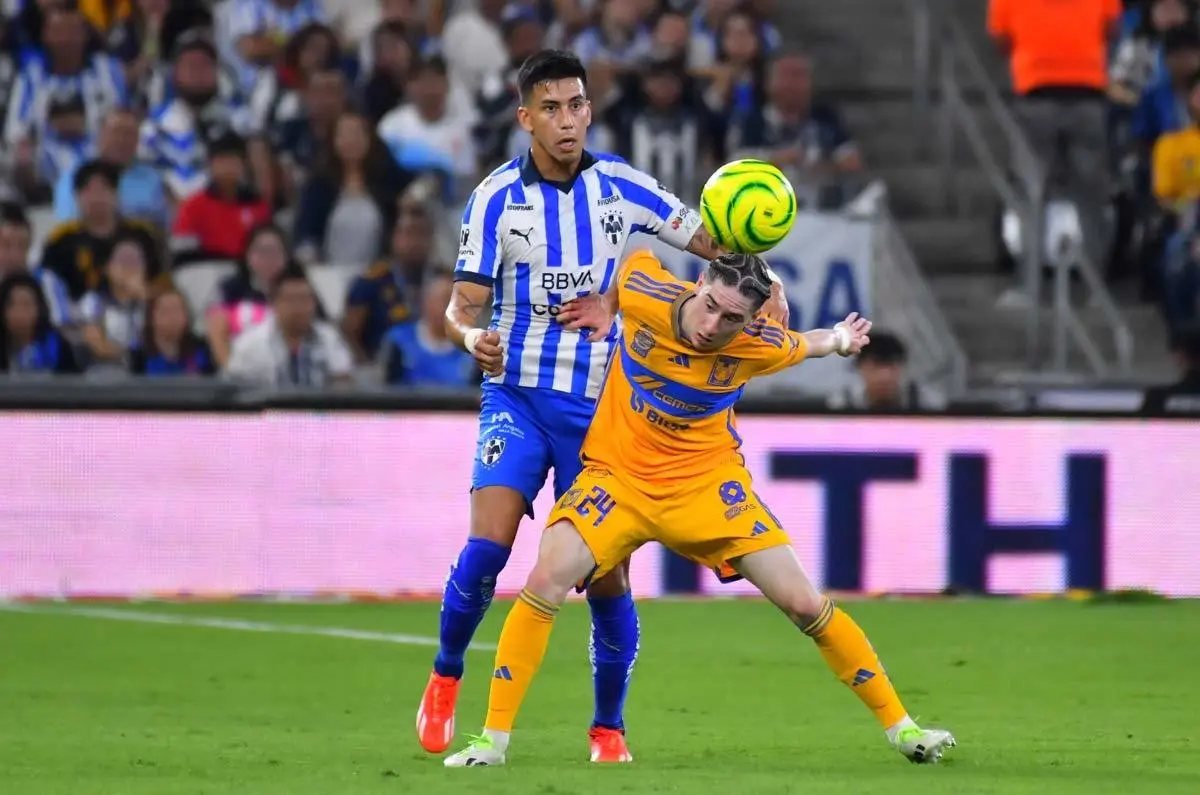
column 467, row 304
column 703, row 245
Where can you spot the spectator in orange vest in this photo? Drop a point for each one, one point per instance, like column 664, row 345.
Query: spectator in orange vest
column 1058, row 55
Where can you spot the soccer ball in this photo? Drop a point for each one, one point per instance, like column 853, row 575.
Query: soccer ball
column 748, row 206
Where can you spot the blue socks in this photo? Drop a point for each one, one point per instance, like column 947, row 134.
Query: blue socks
column 468, row 594
column 614, row 648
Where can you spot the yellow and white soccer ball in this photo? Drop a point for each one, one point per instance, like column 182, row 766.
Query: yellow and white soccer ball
column 748, row 206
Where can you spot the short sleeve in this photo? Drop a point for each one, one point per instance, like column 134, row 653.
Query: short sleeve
column 658, row 211
column 774, row 348
column 479, row 249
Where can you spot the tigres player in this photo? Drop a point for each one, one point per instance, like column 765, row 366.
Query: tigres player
column 661, row 463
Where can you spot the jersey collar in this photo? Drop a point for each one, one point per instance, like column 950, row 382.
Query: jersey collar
column 530, row 174
column 677, row 315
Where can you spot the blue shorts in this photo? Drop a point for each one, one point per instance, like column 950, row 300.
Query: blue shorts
column 523, row 433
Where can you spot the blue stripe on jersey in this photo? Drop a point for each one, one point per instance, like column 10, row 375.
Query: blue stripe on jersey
column 651, row 293
column 610, row 268
column 466, row 219
column 643, row 197
column 768, row 334
column 606, row 186
column 583, row 247
column 522, row 319
column 550, row 219
column 606, row 190
column 490, row 254
column 654, row 284
column 672, row 397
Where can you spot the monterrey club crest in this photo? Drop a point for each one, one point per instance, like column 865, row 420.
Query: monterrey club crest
column 493, row 448
column 613, row 224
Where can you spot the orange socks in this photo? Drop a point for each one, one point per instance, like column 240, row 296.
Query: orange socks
column 523, row 643
column 850, row 656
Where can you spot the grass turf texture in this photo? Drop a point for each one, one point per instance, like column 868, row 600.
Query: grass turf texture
column 1045, row 697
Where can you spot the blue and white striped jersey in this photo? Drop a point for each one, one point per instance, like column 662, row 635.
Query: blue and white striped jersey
column 539, row 244
column 174, row 139
column 101, row 84
column 254, row 17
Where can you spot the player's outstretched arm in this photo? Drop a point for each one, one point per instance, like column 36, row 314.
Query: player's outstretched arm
column 846, row 338
column 468, row 302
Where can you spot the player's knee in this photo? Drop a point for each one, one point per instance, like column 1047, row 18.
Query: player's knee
column 496, row 514
column 563, row 561
column 611, row 585
column 803, row 606
column 548, row 580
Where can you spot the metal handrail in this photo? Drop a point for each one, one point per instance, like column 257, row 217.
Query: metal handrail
column 942, row 38
column 938, row 359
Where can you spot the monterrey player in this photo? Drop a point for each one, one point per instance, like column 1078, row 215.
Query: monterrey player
column 543, row 235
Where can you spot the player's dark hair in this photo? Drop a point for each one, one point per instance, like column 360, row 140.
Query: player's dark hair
column 432, row 64
column 747, row 272
column 96, row 169
column 885, row 348
column 548, row 65
column 229, row 143
column 292, row 274
column 12, row 214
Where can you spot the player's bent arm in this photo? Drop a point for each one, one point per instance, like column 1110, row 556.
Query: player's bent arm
column 468, row 302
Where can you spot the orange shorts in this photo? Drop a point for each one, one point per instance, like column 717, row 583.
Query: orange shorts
column 711, row 522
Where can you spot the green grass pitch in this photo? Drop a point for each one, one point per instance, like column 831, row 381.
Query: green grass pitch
column 1046, row 698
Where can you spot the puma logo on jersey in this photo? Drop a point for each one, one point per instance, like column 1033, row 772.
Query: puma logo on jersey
column 521, row 233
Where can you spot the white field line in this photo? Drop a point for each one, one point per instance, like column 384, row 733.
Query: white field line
column 210, row 622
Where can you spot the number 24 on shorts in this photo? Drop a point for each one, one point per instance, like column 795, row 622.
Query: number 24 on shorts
column 598, row 503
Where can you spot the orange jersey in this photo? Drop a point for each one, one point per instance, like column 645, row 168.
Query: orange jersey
column 665, row 415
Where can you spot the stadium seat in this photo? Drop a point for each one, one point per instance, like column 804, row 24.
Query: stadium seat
column 198, row 281
column 331, row 283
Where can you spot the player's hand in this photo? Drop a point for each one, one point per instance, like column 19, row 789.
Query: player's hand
column 587, row 312
column 488, row 353
column 854, row 329
column 776, row 306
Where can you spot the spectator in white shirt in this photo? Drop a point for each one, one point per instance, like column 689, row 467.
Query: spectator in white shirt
column 424, row 135
column 292, row 348
column 473, row 44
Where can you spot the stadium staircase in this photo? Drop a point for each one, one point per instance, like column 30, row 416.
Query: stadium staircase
column 866, row 64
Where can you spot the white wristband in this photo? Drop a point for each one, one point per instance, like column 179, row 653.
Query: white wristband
column 844, row 339
column 774, row 277
column 471, row 339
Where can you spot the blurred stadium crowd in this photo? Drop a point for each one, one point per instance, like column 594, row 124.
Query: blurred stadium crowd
column 1112, row 110
column 212, row 181
column 268, row 189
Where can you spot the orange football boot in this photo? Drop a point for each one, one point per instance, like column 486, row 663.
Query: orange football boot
column 435, row 717
column 608, row 746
